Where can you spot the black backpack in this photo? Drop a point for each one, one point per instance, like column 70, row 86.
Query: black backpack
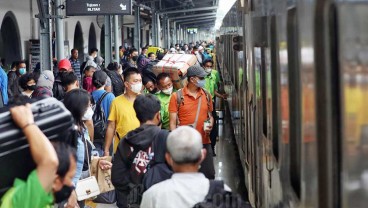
column 58, row 89
column 116, row 82
column 98, row 119
column 218, row 197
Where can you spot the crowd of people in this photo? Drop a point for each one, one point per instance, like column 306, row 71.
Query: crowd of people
column 146, row 125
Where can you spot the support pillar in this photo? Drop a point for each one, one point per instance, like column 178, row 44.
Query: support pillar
column 108, row 55
column 137, row 27
column 45, row 35
column 168, row 33
column 59, row 31
column 174, row 33
column 117, row 43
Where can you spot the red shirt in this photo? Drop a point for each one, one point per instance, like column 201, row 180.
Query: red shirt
column 87, row 84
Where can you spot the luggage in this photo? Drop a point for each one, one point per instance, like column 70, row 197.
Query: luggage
column 15, row 158
column 176, row 65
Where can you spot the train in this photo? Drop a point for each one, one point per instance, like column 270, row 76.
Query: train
column 296, row 72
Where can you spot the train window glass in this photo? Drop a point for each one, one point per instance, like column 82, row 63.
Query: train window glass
column 294, row 99
column 275, row 90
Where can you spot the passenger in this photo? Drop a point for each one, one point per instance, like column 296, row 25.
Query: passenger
column 142, row 55
column 165, row 86
column 143, row 63
column 45, row 83
column 194, row 100
column 186, row 187
column 69, row 81
column 116, row 79
column 132, row 59
column 99, row 80
column 28, row 83
column 13, row 78
column 152, row 56
column 3, row 87
column 90, row 60
column 76, row 65
column 150, row 85
column 58, row 90
column 121, row 53
column 198, row 55
column 138, row 142
column 37, row 190
column 212, row 86
column 186, row 49
column 173, row 51
column 87, row 80
column 100, row 66
column 77, row 102
column 123, row 119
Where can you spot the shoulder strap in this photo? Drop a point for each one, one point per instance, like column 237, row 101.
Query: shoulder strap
column 179, row 100
column 198, row 110
column 101, row 98
column 216, row 186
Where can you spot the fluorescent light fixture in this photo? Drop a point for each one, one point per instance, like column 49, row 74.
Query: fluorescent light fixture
column 222, row 9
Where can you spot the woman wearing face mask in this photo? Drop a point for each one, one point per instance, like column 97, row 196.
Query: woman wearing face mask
column 77, row 102
column 28, row 83
column 13, row 78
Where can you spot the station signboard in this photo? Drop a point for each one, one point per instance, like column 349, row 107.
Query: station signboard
column 98, row 7
column 192, row 30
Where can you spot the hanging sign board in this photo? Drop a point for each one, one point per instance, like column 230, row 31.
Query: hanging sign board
column 98, row 7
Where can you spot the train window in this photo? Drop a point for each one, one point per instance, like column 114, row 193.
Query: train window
column 264, row 91
column 275, row 90
column 294, row 99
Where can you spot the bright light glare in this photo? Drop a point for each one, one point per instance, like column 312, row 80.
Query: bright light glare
column 222, row 9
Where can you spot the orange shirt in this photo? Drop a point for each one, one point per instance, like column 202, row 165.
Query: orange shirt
column 188, row 110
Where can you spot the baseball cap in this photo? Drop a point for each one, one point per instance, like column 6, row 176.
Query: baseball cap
column 64, row 65
column 196, row 71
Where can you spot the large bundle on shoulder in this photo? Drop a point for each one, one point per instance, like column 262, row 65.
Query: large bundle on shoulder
column 176, row 65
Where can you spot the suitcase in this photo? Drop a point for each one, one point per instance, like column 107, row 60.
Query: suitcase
column 56, row 123
column 176, row 65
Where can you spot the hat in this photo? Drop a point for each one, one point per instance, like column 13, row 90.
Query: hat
column 99, row 77
column 200, row 48
column 64, row 64
column 196, row 71
column 46, row 79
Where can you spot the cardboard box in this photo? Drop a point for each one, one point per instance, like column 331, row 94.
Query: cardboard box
column 176, row 65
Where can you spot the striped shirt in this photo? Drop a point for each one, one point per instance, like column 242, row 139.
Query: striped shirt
column 76, row 67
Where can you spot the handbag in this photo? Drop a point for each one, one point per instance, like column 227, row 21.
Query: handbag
column 88, row 187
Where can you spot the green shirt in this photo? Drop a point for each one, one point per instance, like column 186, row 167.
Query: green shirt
column 27, row 194
column 212, row 81
column 165, row 115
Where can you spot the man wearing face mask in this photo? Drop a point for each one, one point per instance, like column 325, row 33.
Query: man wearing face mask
column 122, row 118
column 37, row 190
column 13, row 79
column 132, row 59
column 141, row 142
column 165, row 86
column 192, row 106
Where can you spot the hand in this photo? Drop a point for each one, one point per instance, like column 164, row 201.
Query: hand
column 22, row 115
column 209, row 129
column 106, row 153
column 72, row 201
column 104, row 164
column 224, row 96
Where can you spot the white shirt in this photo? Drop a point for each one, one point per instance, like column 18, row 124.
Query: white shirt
column 183, row 190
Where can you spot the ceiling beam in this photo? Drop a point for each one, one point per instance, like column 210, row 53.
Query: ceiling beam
column 192, row 22
column 213, row 18
column 193, row 15
column 188, row 10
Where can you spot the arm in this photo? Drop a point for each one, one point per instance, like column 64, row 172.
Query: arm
column 223, row 96
column 43, row 153
column 91, row 129
column 110, row 132
column 172, row 118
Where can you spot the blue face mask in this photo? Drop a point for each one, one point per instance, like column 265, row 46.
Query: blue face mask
column 201, row 83
column 22, row 71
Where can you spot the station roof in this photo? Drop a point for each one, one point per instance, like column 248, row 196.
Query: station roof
column 190, row 13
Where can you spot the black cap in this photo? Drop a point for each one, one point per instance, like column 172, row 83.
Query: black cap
column 99, row 77
column 196, row 71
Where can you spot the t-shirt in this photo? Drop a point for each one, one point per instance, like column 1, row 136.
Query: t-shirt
column 165, row 115
column 123, row 113
column 188, row 110
column 87, row 84
column 106, row 102
column 26, row 194
column 211, row 83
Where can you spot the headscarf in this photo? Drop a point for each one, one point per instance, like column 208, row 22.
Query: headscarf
column 46, row 79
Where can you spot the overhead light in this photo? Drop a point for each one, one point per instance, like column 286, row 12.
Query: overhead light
column 223, row 8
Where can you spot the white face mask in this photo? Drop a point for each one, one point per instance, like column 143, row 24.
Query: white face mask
column 88, row 115
column 137, row 88
column 208, row 70
column 168, row 91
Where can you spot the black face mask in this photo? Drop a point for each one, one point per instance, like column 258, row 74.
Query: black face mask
column 153, row 91
column 31, row 87
column 135, row 58
column 63, row 194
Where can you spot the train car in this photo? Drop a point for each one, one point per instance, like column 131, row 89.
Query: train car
column 297, row 76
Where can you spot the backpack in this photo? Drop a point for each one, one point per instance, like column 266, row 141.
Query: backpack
column 83, row 66
column 217, row 196
column 98, row 118
column 58, row 89
column 116, row 82
column 137, row 172
column 157, row 169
